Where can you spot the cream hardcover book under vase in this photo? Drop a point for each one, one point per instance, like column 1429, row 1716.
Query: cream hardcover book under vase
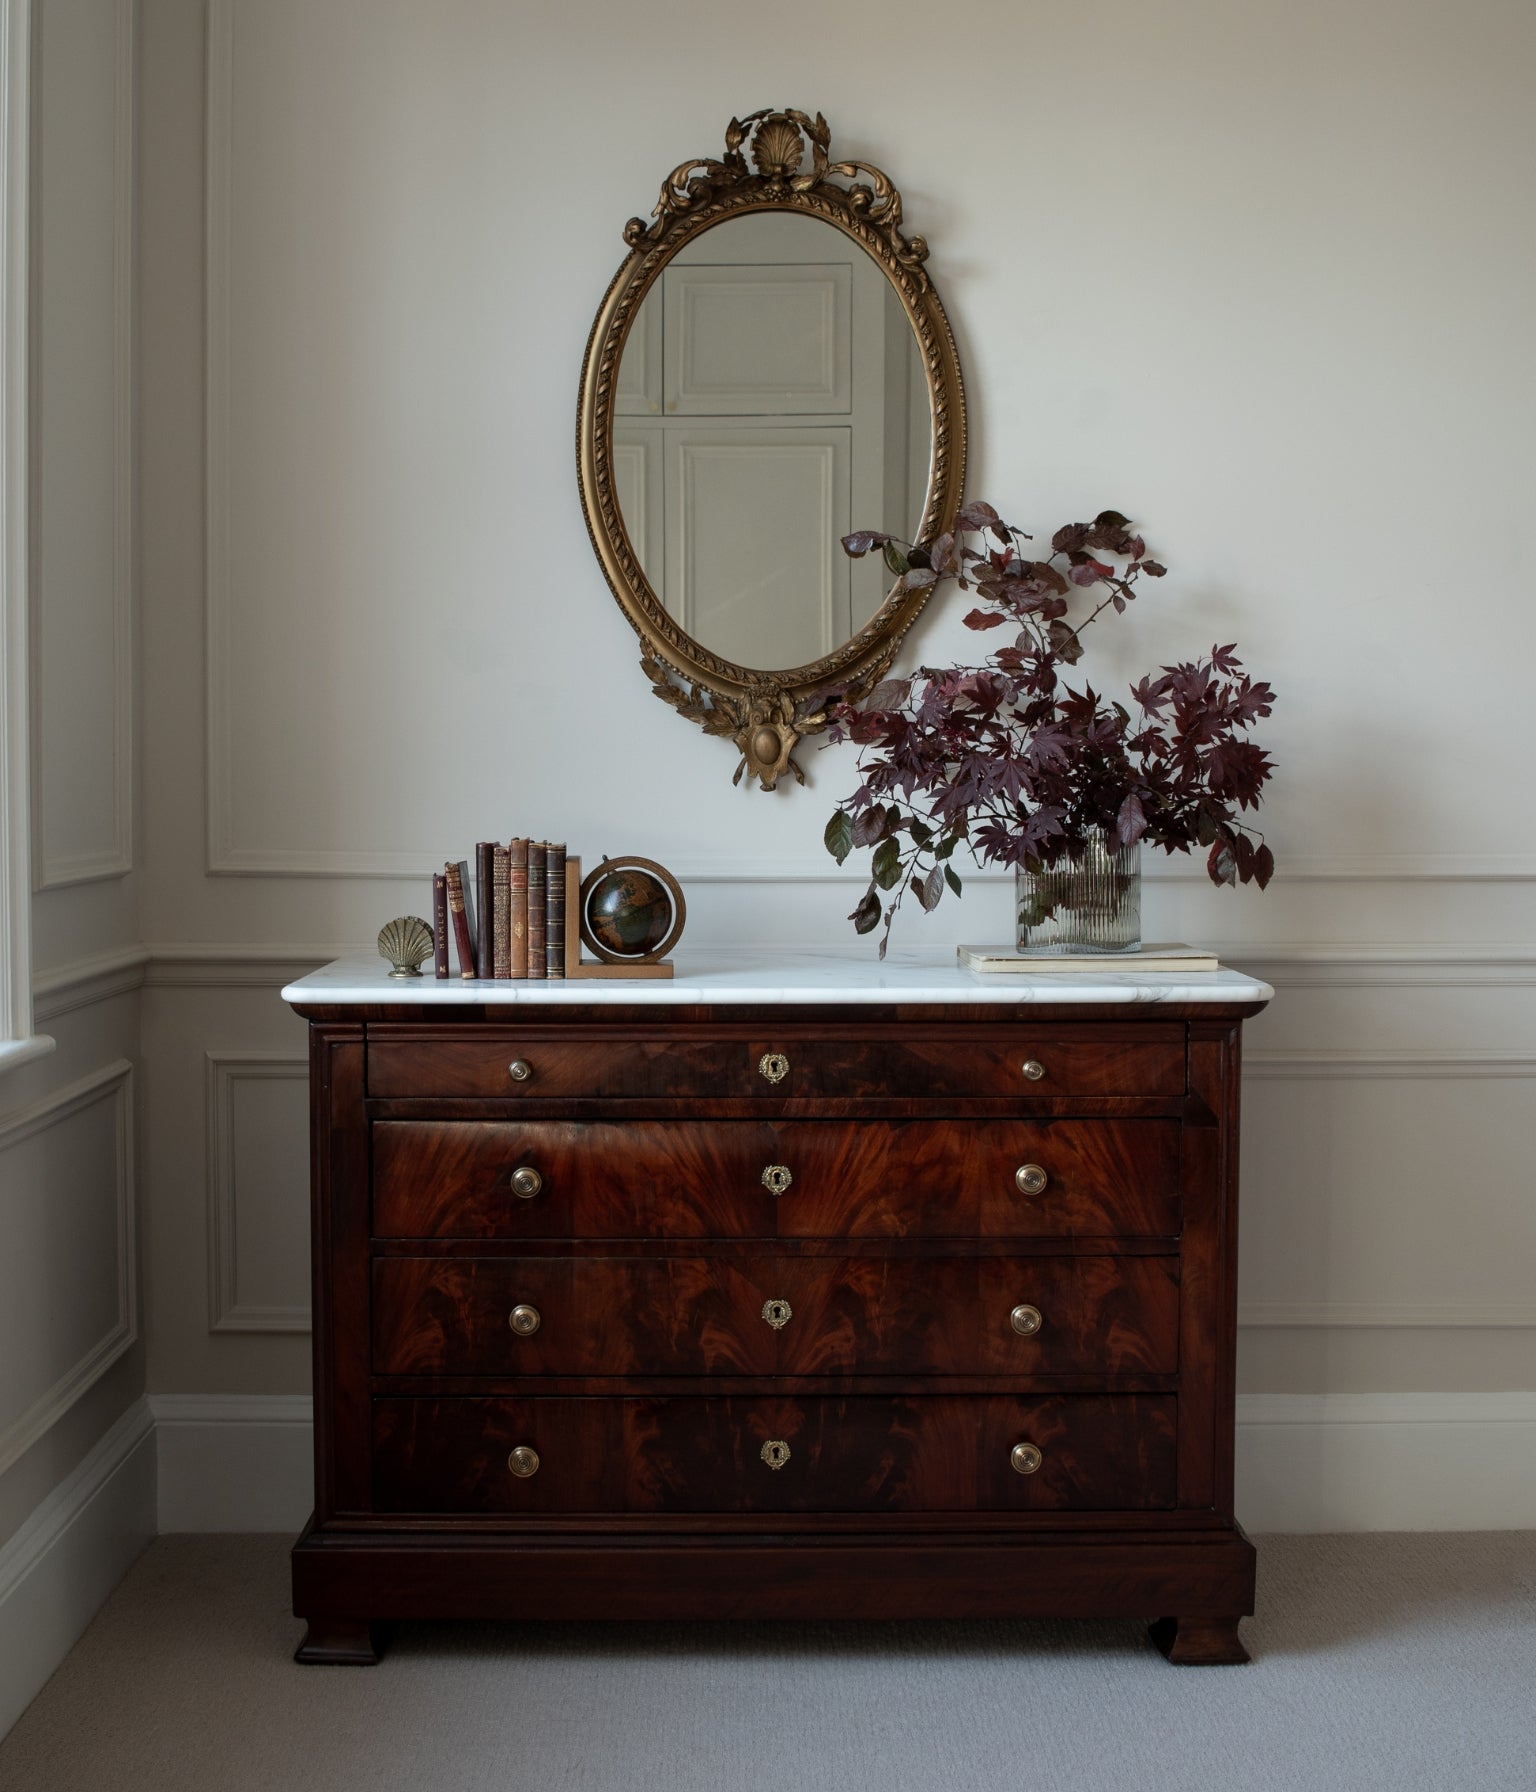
column 1004, row 959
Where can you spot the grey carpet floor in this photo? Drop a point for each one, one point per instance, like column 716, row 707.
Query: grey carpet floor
column 1399, row 1662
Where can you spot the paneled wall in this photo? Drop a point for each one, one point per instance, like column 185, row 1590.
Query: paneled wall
column 1247, row 273
column 71, row 1189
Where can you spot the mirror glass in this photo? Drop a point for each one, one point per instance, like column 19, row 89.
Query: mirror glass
column 771, row 398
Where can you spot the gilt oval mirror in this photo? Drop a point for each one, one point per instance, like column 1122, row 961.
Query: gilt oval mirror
column 770, row 370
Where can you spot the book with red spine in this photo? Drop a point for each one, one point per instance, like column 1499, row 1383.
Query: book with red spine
column 538, row 918
column 518, row 907
column 439, row 925
column 459, row 916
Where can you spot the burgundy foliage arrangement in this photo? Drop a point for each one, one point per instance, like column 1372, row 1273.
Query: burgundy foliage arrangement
column 1011, row 761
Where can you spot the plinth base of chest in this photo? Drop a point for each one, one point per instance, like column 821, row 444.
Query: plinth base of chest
column 362, row 1577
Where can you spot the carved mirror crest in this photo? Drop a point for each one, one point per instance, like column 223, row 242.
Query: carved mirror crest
column 771, row 369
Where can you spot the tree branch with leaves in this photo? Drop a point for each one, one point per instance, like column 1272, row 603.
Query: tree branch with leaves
column 1010, row 761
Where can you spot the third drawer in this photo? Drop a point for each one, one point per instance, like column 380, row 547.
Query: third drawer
column 764, row 1315
column 764, row 1179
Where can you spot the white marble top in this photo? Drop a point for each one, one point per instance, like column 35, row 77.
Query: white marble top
column 786, row 975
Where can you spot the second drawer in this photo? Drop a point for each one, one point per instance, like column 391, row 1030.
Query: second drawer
column 764, row 1179
column 765, row 1315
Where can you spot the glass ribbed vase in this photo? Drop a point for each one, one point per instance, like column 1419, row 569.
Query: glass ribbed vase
column 1091, row 903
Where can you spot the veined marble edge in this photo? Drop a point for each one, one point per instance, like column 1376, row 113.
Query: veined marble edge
column 803, row 976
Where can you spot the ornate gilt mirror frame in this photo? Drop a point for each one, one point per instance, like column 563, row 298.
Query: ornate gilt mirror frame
column 765, row 713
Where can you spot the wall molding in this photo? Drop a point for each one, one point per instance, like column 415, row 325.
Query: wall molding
column 219, row 152
column 87, row 981
column 1349, row 1065
column 1428, row 965
column 237, row 967
column 17, row 1041
column 224, row 1071
column 226, row 859
column 1386, row 1462
column 55, row 871
column 1291, row 966
column 1353, row 1066
column 234, row 1462
column 58, row 1569
column 1411, row 1316
column 114, row 1082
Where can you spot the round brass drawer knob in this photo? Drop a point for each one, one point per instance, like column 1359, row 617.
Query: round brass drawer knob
column 776, row 1178
column 775, row 1452
column 778, row 1313
column 1024, row 1459
column 526, row 1182
column 1030, row 1179
column 1033, row 1069
column 774, row 1066
column 519, row 1070
column 524, row 1320
column 524, row 1461
column 1025, row 1320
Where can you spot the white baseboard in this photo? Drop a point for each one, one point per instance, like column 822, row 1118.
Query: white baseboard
column 234, row 1462
column 58, row 1569
column 240, row 1462
column 1305, row 1462
column 1386, row 1462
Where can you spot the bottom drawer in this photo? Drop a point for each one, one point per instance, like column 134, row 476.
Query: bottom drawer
column 927, row 1453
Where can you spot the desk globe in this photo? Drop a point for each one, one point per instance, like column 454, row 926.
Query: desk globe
column 632, row 911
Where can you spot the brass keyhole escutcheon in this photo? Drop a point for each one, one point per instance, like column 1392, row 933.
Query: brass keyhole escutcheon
column 1033, row 1069
column 1024, row 1459
column 1025, row 1320
column 776, row 1178
column 519, row 1070
column 524, row 1320
column 1030, row 1179
column 775, row 1452
column 526, row 1182
column 524, row 1461
column 774, row 1066
column 778, row 1313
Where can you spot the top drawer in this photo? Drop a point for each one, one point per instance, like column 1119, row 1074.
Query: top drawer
column 544, row 1063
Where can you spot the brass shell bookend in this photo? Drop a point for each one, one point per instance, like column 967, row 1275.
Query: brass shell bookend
column 407, row 943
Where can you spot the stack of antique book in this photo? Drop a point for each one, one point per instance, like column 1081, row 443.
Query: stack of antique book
column 508, row 919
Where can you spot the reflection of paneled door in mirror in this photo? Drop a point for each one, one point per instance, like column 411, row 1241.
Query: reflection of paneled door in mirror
column 771, row 398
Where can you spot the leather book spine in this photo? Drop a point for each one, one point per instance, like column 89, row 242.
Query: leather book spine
column 460, row 919
column 485, row 908
column 501, row 960
column 538, row 920
column 554, row 909
column 439, row 925
column 518, row 945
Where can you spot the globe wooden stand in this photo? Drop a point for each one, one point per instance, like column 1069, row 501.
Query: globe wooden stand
column 575, row 964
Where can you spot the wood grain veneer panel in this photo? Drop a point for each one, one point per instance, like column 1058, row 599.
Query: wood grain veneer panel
column 924, row 1454
column 620, row 1064
column 681, row 1179
column 704, row 1315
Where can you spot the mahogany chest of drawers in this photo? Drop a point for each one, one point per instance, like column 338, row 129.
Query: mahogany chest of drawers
column 880, row 1299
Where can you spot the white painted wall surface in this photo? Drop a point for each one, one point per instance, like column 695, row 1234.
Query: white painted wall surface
column 1251, row 274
